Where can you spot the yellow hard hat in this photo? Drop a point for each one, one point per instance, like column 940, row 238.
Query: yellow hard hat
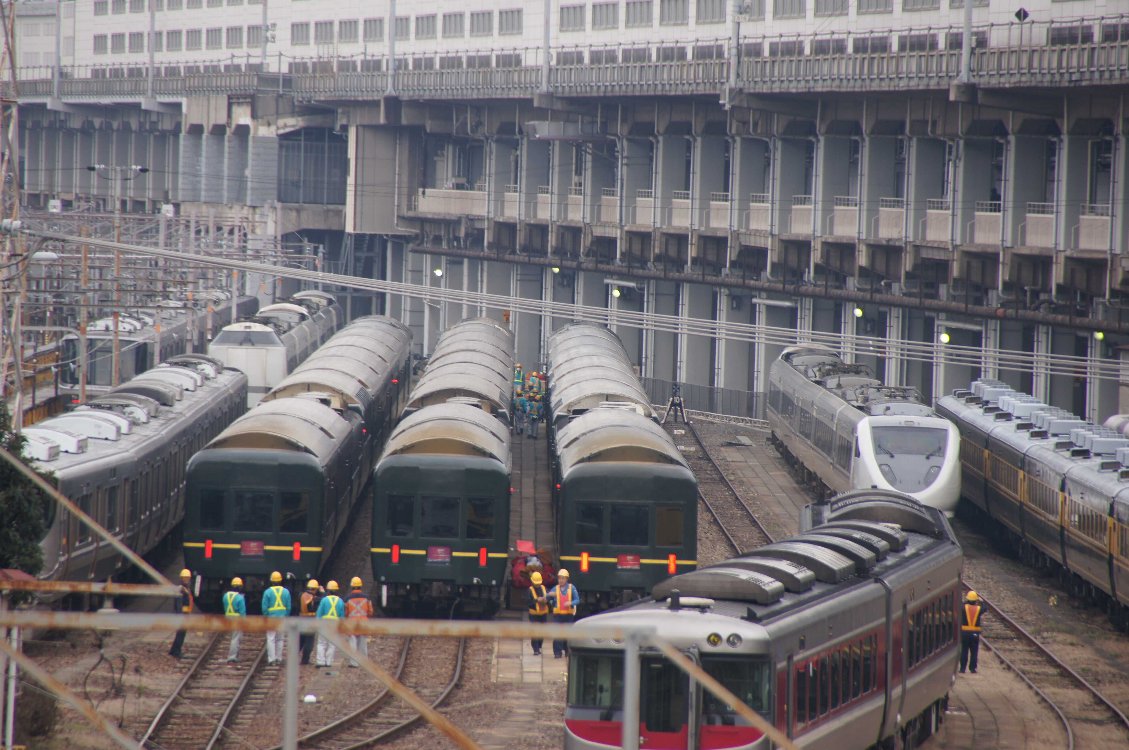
column 186, row 573
column 331, row 586
column 536, row 578
column 237, row 581
column 972, row 596
column 562, row 573
column 313, row 584
column 276, row 577
column 356, row 582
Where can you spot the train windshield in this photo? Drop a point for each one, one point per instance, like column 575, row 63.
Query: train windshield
column 748, row 679
column 909, row 441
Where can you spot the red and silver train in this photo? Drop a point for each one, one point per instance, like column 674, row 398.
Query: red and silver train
column 844, row 637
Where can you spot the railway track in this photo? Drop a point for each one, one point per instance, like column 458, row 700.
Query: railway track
column 196, row 715
column 1089, row 719
column 739, row 525
column 421, row 662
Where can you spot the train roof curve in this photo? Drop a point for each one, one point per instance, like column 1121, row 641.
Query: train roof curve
column 587, row 393
column 292, row 424
column 602, row 435
column 450, row 429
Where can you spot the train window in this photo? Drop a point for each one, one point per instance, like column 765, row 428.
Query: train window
column 846, row 673
column 856, row 670
column 400, row 512
column 663, row 699
column 253, row 511
column 480, row 518
column 439, row 517
column 589, row 523
column 748, row 679
column 912, row 441
column 293, row 508
column 824, row 685
column 211, row 510
column 835, row 678
column 630, row 525
column 111, row 520
column 801, row 695
column 869, row 650
column 86, row 505
column 596, row 680
column 668, row 526
column 133, row 502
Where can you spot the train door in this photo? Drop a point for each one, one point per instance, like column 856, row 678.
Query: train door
column 665, row 706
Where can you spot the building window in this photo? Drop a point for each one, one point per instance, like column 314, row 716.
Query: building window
column 509, row 21
column 193, row 4
column 639, row 13
column 137, row 41
column 605, row 15
column 101, row 44
column 215, row 3
column 193, row 39
column 875, row 6
column 917, row 42
column 453, row 25
column 674, row 12
column 572, row 18
column 753, row 9
column 157, row 42
column 829, row 47
column 101, row 7
column 255, row 36
column 710, row 11
column 175, row 4
column 234, row 2
column 975, row 3
column 921, row 4
column 482, row 23
column 299, row 33
column 347, row 31
column 119, row 7
column 789, row 8
column 174, row 40
column 136, row 6
column 323, row 32
column 234, row 38
column 374, row 29
column 403, row 28
column 117, row 43
column 425, row 27
column 831, row 7
column 870, row 44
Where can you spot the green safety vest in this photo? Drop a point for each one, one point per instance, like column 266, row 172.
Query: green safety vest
column 229, row 604
column 278, row 605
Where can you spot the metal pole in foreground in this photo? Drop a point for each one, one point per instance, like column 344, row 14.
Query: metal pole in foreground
column 3, row 667
column 290, row 706
column 10, row 692
column 630, row 693
column 966, row 44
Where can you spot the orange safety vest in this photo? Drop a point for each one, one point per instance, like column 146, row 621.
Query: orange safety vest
column 306, row 606
column 564, row 606
column 971, row 622
column 358, row 606
column 539, row 608
column 186, row 600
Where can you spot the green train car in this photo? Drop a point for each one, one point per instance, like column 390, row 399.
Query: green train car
column 441, row 526
column 274, row 491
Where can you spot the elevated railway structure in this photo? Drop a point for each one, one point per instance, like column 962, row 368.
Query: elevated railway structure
column 664, row 157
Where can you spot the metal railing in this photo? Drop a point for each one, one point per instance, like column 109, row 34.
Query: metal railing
column 680, row 195
column 801, row 200
column 1040, row 209
column 576, row 190
column 892, row 203
column 609, row 192
column 938, row 204
column 509, row 188
column 989, row 207
column 1095, row 209
column 759, row 199
column 845, row 201
column 644, row 193
column 719, row 197
column 544, row 190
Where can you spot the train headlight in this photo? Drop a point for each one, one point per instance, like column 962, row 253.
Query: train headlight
column 733, row 640
column 714, row 639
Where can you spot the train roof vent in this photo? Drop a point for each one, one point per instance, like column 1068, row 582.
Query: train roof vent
column 795, row 577
column 1107, row 445
column 864, row 559
column 828, row 565
column 892, row 534
column 1062, row 425
column 138, row 408
column 880, row 547
column 124, row 423
column 1023, row 407
column 88, row 424
column 1123, row 456
column 723, row 582
column 163, row 393
column 1080, row 436
column 68, row 442
column 988, row 389
column 39, row 448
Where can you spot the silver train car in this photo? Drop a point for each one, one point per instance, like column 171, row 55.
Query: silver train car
column 147, row 338
column 1055, row 485
column 281, row 336
column 843, row 638
column 849, row 431
column 121, row 458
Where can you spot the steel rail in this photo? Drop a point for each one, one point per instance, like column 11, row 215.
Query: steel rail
column 164, row 711
column 1053, row 659
column 732, row 490
column 240, row 693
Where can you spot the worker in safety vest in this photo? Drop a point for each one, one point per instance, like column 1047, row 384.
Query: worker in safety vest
column 562, row 600
column 185, row 603
column 276, row 603
column 308, row 607
column 234, row 605
column 330, row 608
column 360, row 606
column 970, row 619
column 538, row 607
column 535, row 413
